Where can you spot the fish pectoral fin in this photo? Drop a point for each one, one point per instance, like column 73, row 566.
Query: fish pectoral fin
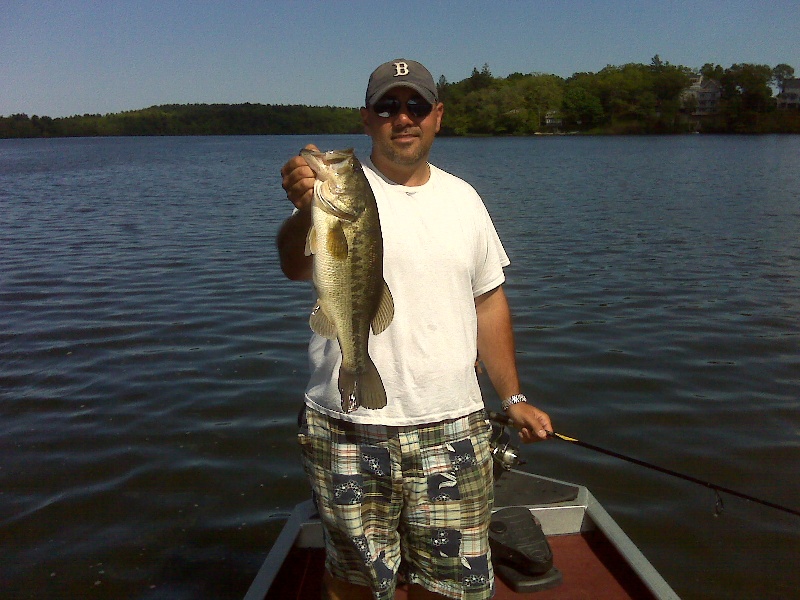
column 321, row 324
column 311, row 242
column 385, row 313
column 336, row 242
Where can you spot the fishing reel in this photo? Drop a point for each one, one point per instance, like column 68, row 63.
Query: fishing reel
column 504, row 455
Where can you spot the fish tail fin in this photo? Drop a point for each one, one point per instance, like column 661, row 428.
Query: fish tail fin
column 372, row 393
column 364, row 389
column 348, row 384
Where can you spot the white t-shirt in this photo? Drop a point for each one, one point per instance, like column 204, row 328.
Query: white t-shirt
column 441, row 250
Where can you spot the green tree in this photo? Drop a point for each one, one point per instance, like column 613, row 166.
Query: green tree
column 746, row 95
column 668, row 83
column 442, row 88
column 711, row 71
column 541, row 94
column 750, row 83
column 480, row 79
column 581, row 108
column 780, row 74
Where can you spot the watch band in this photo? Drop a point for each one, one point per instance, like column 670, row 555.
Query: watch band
column 515, row 399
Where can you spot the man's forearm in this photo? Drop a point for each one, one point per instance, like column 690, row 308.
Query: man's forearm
column 291, row 242
column 497, row 351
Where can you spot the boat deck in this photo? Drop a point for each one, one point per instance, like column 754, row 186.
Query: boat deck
column 591, row 569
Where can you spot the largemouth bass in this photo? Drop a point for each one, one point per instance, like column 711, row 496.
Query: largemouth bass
column 345, row 240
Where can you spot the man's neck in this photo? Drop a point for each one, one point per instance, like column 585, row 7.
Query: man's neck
column 411, row 176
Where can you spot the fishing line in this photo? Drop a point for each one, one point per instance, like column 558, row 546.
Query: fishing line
column 719, row 507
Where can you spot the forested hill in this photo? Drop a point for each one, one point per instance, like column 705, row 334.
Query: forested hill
column 627, row 99
column 191, row 119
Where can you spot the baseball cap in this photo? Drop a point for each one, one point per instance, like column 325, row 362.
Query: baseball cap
column 400, row 73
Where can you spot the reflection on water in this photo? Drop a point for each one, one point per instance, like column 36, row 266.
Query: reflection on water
column 152, row 356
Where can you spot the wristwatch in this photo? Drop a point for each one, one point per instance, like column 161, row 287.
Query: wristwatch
column 515, row 399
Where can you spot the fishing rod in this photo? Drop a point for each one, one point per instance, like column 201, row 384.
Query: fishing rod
column 717, row 488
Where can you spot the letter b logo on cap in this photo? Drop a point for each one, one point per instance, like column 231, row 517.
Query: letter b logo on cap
column 400, row 68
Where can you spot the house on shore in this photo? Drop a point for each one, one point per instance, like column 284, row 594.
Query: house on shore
column 789, row 98
column 702, row 96
column 552, row 118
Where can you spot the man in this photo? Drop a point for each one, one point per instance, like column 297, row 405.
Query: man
column 412, row 479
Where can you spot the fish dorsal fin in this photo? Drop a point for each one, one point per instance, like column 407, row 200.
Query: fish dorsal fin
column 336, row 242
column 321, row 324
column 311, row 242
column 385, row 313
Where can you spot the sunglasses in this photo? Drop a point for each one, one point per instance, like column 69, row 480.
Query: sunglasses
column 389, row 107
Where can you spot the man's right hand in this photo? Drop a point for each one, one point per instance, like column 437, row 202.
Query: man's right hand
column 298, row 180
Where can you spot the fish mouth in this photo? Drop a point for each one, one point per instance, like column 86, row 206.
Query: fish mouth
column 335, row 160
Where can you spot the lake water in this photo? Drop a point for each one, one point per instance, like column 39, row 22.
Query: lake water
column 152, row 357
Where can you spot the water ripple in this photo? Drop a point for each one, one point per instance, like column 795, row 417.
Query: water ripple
column 152, row 356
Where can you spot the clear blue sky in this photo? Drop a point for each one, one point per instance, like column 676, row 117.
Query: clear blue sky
column 65, row 57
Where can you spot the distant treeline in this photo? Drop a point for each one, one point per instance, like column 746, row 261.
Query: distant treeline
column 191, row 119
column 628, row 99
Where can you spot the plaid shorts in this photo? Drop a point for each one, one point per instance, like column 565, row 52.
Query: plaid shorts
column 422, row 493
